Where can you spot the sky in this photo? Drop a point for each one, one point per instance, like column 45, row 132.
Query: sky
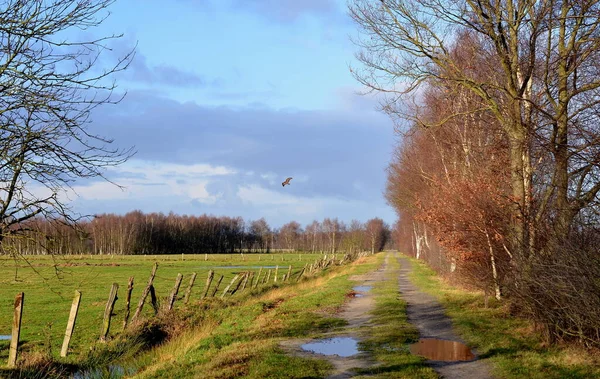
column 227, row 98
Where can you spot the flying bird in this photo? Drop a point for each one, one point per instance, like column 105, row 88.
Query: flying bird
column 287, row 181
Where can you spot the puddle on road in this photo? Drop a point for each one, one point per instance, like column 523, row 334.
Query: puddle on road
column 362, row 288
column 342, row 346
column 442, row 350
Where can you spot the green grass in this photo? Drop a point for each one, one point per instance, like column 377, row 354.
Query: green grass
column 49, row 284
column 243, row 340
column 510, row 343
column 388, row 335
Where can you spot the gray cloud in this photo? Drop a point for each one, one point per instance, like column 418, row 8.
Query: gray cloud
column 140, row 71
column 337, row 154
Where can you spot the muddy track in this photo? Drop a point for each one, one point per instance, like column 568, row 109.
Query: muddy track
column 357, row 313
column 423, row 311
column 426, row 313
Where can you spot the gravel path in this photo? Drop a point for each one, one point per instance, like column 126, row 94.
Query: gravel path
column 426, row 313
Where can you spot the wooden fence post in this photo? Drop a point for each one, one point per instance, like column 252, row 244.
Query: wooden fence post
column 138, row 311
column 276, row 271
column 110, row 305
column 217, row 286
column 16, row 330
column 242, row 279
column 71, row 324
column 230, row 284
column 289, row 273
column 189, row 289
column 268, row 276
column 128, row 302
column 153, row 299
column 250, row 279
column 257, row 280
column 301, row 272
column 209, row 279
column 174, row 292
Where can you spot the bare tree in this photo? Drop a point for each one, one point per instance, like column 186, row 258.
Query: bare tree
column 291, row 233
column 49, row 84
column 332, row 228
column 261, row 230
column 533, row 65
column 313, row 229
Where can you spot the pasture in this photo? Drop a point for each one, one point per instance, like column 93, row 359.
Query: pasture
column 49, row 284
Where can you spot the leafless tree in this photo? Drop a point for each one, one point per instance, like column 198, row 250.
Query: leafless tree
column 533, row 65
column 50, row 81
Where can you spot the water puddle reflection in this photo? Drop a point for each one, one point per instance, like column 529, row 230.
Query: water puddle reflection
column 342, row 346
column 442, row 350
column 362, row 288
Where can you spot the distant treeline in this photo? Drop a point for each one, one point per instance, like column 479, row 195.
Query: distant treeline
column 157, row 233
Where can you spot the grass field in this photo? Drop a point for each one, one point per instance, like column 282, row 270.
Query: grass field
column 49, row 284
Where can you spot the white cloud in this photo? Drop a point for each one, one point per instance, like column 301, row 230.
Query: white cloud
column 154, row 179
column 274, row 202
column 159, row 169
column 257, row 195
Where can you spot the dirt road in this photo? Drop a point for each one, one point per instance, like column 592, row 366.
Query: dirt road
column 426, row 313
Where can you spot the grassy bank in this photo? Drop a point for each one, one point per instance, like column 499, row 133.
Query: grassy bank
column 49, row 284
column 389, row 334
column 242, row 338
column 511, row 344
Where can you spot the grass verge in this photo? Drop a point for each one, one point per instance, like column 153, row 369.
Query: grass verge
column 242, row 339
column 512, row 345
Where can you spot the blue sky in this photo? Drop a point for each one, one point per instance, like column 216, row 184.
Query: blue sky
column 227, row 98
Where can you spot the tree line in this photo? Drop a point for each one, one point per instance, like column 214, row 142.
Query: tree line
column 496, row 179
column 156, row 233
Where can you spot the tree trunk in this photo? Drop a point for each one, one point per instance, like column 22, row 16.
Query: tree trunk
column 494, row 270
